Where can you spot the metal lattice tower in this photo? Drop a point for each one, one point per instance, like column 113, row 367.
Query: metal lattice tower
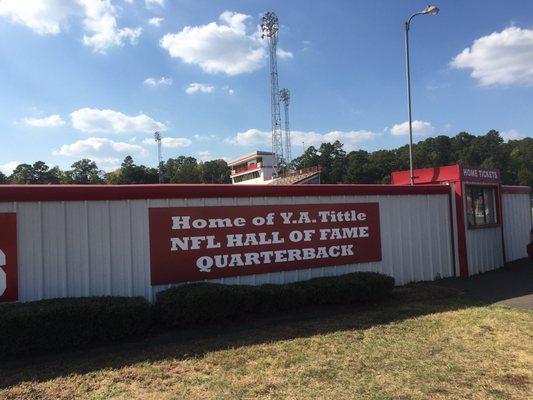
column 157, row 138
column 269, row 29
column 285, row 97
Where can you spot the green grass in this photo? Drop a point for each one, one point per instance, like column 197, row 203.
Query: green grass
column 425, row 344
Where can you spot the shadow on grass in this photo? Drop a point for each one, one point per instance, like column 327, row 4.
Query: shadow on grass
column 407, row 302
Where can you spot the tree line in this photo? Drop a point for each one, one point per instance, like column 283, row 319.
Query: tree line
column 513, row 158
column 85, row 172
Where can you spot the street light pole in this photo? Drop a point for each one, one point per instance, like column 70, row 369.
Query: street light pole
column 407, row 25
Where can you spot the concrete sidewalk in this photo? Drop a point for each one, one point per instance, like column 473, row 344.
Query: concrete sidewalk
column 511, row 285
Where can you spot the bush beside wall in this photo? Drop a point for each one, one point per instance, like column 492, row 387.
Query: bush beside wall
column 69, row 323
column 202, row 303
column 51, row 325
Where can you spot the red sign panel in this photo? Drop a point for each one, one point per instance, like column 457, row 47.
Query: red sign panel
column 8, row 257
column 483, row 175
column 198, row 243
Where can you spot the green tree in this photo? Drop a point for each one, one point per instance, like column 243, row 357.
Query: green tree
column 38, row 173
column 3, row 178
column 308, row 159
column 84, row 172
column 130, row 173
column 332, row 161
column 181, row 170
column 215, row 171
column 357, row 167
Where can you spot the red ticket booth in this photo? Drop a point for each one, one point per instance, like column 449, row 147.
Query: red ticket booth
column 476, row 208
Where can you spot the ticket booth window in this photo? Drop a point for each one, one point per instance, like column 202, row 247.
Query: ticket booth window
column 481, row 206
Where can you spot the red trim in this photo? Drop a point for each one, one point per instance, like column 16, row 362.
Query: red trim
column 461, row 232
column 249, row 156
column 499, row 205
column 248, row 168
column 8, row 244
column 428, row 175
column 131, row 192
column 450, row 194
column 516, row 189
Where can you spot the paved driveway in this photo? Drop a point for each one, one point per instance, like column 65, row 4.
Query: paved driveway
column 511, row 285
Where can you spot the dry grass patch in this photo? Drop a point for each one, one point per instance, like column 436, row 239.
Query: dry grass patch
column 440, row 349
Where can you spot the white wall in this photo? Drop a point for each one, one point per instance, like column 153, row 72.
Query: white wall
column 484, row 249
column 516, row 224
column 93, row 248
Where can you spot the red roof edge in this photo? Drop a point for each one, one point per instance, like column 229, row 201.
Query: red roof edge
column 24, row 193
column 516, row 189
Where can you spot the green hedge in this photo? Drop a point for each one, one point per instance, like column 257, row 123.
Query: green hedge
column 69, row 323
column 204, row 303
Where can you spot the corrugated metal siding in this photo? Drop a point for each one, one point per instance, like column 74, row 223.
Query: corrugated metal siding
column 484, row 249
column 96, row 248
column 516, row 224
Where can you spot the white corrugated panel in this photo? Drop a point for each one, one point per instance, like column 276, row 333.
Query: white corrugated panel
column 516, row 224
column 484, row 249
column 96, row 248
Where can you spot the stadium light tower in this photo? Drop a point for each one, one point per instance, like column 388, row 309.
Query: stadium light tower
column 285, row 97
column 269, row 29
column 157, row 138
column 429, row 10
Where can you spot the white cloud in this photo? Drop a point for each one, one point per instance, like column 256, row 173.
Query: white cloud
column 251, row 137
column 48, row 17
column 204, row 137
column 205, row 155
column 8, row 168
column 47, row 122
column 231, row 92
column 100, row 21
column 511, row 134
column 43, row 17
column 170, row 142
column 350, row 139
column 155, row 21
column 224, row 47
column 152, row 3
column 503, row 58
column 284, row 55
column 420, row 128
column 158, row 82
column 109, row 121
column 199, row 87
column 107, row 153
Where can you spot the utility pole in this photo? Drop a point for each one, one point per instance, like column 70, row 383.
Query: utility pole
column 269, row 29
column 157, row 137
column 427, row 11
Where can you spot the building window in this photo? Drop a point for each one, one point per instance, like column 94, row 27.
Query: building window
column 481, row 206
column 246, row 177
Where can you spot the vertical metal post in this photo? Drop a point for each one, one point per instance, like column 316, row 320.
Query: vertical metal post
column 157, row 137
column 408, row 74
column 159, row 162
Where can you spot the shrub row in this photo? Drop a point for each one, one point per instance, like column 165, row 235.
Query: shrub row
column 70, row 323
column 59, row 324
column 204, row 303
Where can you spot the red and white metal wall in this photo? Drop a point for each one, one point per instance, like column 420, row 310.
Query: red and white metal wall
column 70, row 241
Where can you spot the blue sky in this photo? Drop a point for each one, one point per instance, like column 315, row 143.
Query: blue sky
column 92, row 78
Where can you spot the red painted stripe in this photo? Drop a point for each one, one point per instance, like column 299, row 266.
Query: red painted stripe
column 131, row 192
column 461, row 230
column 516, row 189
